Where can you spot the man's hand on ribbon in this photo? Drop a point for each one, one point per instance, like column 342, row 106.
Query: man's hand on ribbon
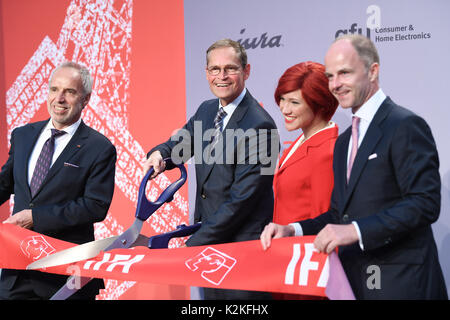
column 330, row 237
column 275, row 231
column 22, row 219
column 334, row 235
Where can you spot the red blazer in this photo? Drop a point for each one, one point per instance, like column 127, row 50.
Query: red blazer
column 302, row 186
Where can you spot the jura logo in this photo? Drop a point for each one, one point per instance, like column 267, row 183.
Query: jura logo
column 263, row 41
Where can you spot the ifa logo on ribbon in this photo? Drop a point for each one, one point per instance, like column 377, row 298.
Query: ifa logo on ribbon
column 36, row 247
column 213, row 265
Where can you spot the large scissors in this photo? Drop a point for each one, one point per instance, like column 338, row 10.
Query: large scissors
column 144, row 210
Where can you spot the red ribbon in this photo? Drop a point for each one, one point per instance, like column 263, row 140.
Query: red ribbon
column 290, row 265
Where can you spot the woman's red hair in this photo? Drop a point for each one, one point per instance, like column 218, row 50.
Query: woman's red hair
column 310, row 78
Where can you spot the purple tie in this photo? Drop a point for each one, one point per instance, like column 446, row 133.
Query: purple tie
column 355, row 130
column 43, row 162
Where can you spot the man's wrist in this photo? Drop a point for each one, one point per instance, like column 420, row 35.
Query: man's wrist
column 298, row 231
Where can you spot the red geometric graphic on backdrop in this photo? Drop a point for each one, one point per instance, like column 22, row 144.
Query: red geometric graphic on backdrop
column 97, row 34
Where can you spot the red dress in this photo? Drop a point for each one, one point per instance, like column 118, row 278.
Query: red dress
column 303, row 185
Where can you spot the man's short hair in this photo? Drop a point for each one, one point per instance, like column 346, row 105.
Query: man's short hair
column 364, row 47
column 85, row 75
column 227, row 43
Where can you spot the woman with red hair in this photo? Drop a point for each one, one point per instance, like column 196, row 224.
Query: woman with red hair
column 304, row 179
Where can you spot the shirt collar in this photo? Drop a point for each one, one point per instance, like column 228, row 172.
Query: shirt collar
column 70, row 130
column 368, row 109
column 229, row 108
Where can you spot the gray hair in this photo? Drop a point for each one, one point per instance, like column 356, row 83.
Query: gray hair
column 364, row 47
column 227, row 43
column 85, row 75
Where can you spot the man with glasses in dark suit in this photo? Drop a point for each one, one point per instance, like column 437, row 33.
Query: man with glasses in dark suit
column 234, row 198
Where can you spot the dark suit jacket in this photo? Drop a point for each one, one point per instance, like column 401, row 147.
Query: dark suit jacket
column 71, row 198
column 394, row 196
column 234, row 201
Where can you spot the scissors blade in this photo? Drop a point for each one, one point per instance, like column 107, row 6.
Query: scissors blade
column 72, row 285
column 78, row 253
column 126, row 239
column 89, row 250
column 144, row 209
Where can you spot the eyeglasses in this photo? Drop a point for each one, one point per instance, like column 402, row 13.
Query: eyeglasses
column 230, row 70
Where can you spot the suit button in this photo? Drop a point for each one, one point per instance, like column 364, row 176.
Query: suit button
column 345, row 218
column 203, row 196
column 31, row 205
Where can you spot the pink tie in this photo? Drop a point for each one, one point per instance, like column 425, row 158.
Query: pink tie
column 355, row 129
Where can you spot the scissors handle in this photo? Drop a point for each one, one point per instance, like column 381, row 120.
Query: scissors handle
column 145, row 207
column 162, row 240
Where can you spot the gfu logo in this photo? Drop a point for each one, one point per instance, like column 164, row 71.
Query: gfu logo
column 213, row 265
column 36, row 247
column 373, row 21
column 313, row 269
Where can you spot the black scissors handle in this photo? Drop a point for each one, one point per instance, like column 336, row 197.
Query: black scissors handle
column 145, row 207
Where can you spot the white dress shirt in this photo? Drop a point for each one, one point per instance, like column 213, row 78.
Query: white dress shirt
column 229, row 108
column 366, row 112
column 60, row 143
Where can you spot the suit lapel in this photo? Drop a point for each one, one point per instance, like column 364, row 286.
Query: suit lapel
column 303, row 150
column 207, row 124
column 340, row 165
column 238, row 114
column 35, row 130
column 370, row 141
column 208, row 120
column 298, row 154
